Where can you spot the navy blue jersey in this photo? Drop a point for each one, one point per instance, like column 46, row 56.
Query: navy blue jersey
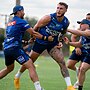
column 14, row 32
column 54, row 28
column 85, row 41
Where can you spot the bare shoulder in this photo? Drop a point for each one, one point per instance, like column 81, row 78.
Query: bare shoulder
column 46, row 18
column 44, row 21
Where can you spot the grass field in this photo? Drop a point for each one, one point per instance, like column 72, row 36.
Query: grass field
column 49, row 75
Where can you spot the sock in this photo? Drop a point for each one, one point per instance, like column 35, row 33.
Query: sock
column 80, row 87
column 37, row 85
column 77, row 71
column 68, row 81
column 18, row 74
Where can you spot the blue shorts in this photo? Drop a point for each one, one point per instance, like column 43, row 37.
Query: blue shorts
column 76, row 57
column 28, row 49
column 39, row 48
column 15, row 53
column 86, row 58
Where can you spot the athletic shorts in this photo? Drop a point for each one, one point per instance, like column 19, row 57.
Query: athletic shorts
column 39, row 48
column 76, row 57
column 15, row 53
column 86, row 58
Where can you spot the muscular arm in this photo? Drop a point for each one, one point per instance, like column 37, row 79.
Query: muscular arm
column 75, row 44
column 42, row 22
column 79, row 32
column 73, row 38
column 34, row 33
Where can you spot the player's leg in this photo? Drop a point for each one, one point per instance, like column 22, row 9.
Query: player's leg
column 9, row 62
column 6, row 70
column 71, row 64
column 76, row 84
column 34, row 55
column 57, row 55
column 73, row 59
column 83, row 69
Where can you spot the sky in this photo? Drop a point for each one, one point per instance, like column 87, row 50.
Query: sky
column 38, row 8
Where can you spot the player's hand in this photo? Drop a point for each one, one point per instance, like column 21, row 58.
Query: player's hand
column 60, row 45
column 78, row 51
column 66, row 40
column 31, row 40
column 50, row 38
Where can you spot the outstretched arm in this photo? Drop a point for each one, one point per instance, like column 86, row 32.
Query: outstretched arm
column 79, row 32
column 75, row 44
column 34, row 33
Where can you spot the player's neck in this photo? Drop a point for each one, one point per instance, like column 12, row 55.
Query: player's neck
column 60, row 18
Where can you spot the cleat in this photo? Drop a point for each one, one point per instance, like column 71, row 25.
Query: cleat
column 17, row 83
column 76, row 85
column 70, row 88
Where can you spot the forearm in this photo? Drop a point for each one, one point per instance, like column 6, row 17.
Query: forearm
column 37, row 35
column 76, row 32
column 75, row 44
column 74, row 38
column 79, row 32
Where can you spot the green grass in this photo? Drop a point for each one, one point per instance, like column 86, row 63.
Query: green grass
column 49, row 75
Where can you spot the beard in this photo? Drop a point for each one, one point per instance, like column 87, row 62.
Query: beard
column 61, row 15
column 22, row 16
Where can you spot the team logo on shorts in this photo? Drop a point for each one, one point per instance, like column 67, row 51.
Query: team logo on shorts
column 21, row 59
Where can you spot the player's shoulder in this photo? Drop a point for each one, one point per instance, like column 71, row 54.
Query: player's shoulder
column 22, row 21
column 46, row 18
column 66, row 20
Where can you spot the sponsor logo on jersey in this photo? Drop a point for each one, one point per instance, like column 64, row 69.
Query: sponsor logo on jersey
column 21, row 59
column 11, row 23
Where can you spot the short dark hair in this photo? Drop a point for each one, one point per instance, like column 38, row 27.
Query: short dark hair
column 62, row 3
column 88, row 14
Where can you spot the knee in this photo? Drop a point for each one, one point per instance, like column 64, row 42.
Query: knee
column 69, row 66
column 10, row 69
column 82, row 70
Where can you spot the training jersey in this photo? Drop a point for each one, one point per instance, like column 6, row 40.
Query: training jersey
column 54, row 28
column 85, row 41
column 14, row 32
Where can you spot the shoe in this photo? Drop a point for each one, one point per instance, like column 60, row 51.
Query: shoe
column 70, row 88
column 76, row 85
column 17, row 83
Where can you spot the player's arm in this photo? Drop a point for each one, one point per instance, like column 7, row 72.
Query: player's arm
column 34, row 33
column 38, row 35
column 74, row 38
column 42, row 22
column 79, row 32
column 77, row 49
column 75, row 44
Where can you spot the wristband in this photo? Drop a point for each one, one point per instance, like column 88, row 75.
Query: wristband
column 45, row 38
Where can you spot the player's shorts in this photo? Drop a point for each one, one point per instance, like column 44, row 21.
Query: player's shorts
column 15, row 53
column 28, row 49
column 76, row 57
column 39, row 48
column 86, row 58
